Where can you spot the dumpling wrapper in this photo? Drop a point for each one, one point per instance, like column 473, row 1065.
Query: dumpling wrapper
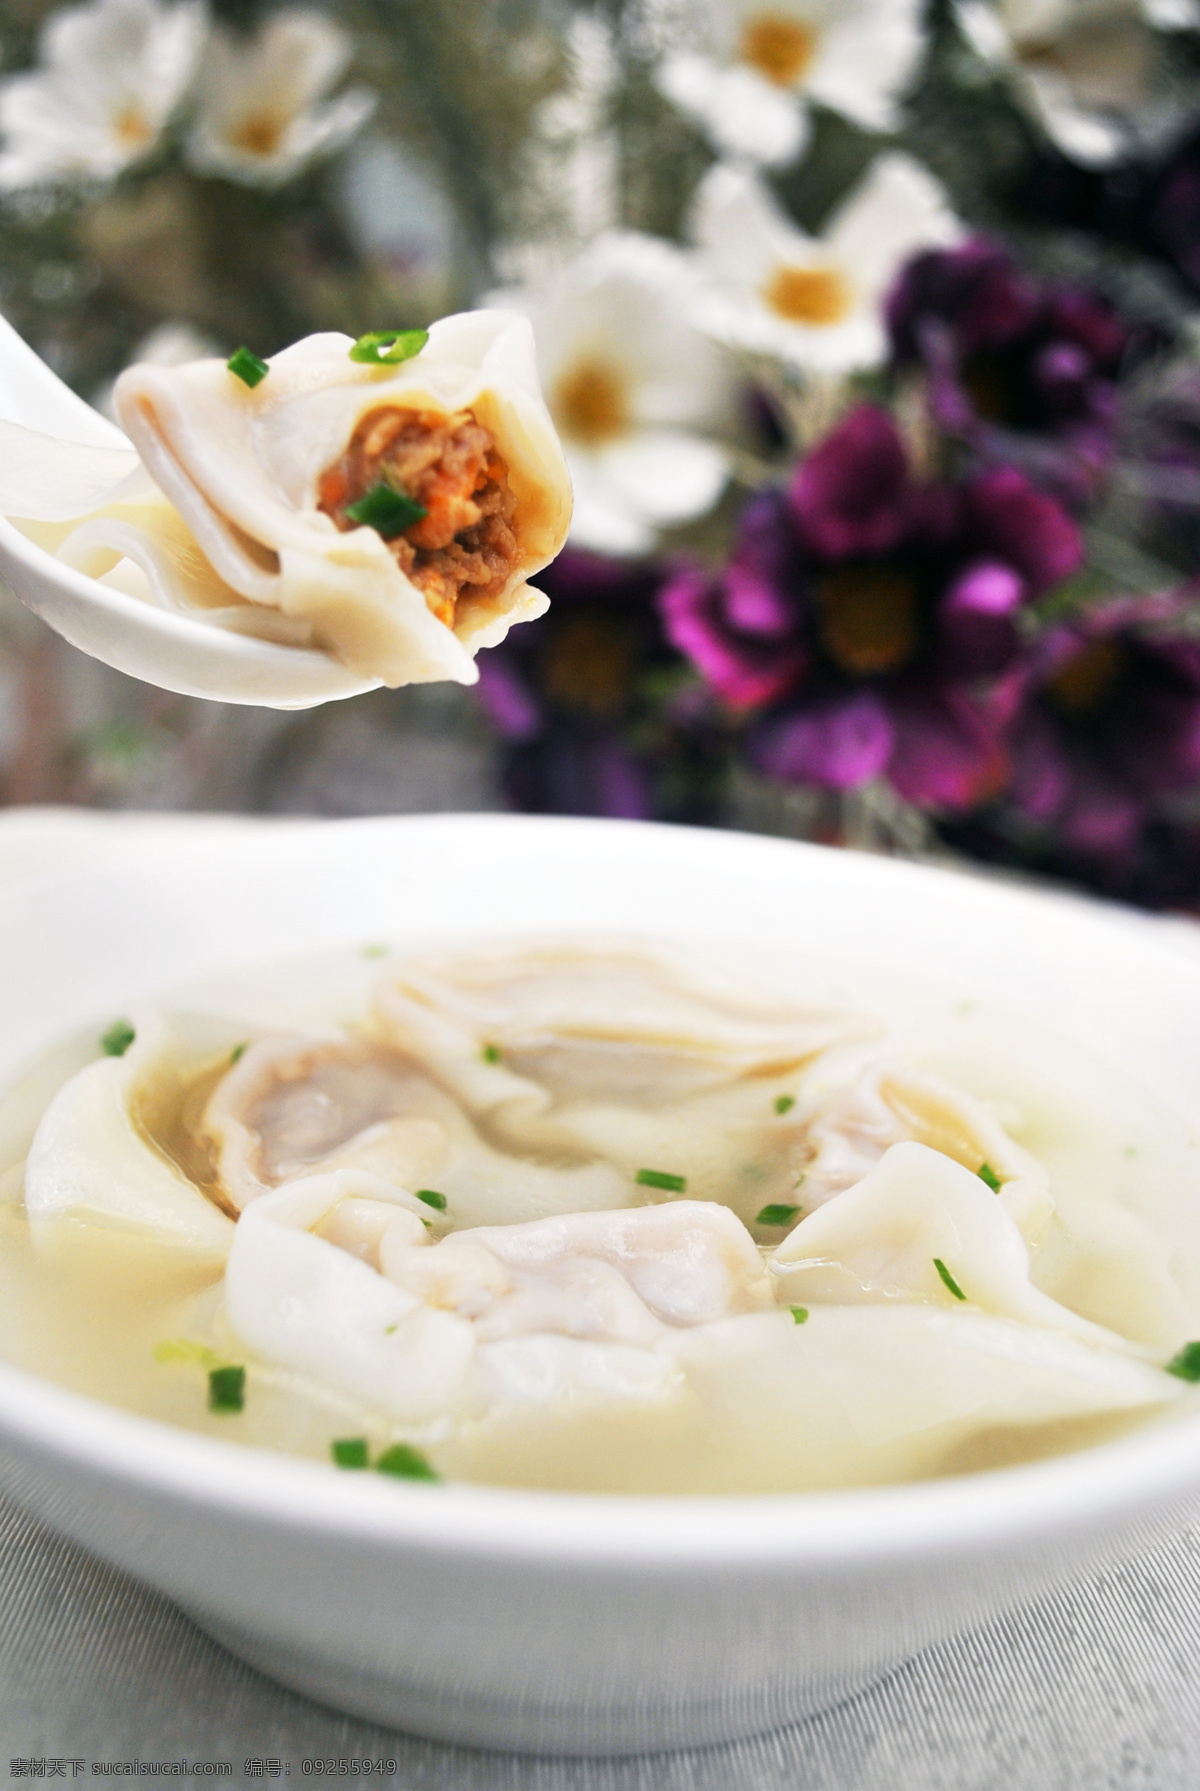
column 90, row 1159
column 889, row 1105
column 881, row 1239
column 215, row 506
column 298, row 1106
column 335, row 1276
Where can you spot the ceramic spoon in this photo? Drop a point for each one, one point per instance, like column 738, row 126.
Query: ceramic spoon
column 196, row 658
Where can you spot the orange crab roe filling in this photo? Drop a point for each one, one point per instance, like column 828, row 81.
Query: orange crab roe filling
column 465, row 544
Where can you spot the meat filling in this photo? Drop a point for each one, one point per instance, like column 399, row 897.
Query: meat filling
column 465, row 543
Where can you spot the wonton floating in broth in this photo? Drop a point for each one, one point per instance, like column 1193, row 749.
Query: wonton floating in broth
column 593, row 1216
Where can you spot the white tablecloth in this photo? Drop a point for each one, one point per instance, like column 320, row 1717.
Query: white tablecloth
column 1095, row 1688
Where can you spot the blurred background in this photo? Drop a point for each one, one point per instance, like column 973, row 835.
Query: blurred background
column 872, row 330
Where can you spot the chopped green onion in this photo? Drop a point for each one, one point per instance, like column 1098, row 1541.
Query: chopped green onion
column 117, row 1039
column 784, row 1103
column 349, row 1452
column 948, row 1278
column 799, row 1313
column 247, row 367
column 431, row 1197
column 387, row 348
column 226, row 1389
column 987, row 1174
column 387, row 511
column 777, row 1215
column 390, row 1330
column 182, row 1349
column 406, row 1463
column 1186, row 1365
column 239, row 1051
column 491, row 1054
column 374, row 951
column 659, row 1178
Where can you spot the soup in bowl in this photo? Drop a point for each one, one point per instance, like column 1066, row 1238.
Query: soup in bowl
column 419, row 1236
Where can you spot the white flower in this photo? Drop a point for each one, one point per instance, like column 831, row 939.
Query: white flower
column 632, row 386
column 1086, row 69
column 111, row 75
column 815, row 302
column 767, row 60
column 258, row 120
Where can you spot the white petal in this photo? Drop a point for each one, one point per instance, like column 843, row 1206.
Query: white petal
column 669, row 476
column 744, row 114
column 865, row 57
column 897, row 209
column 740, row 232
column 1090, row 138
column 624, row 303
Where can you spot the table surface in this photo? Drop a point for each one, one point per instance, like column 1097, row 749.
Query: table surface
column 1095, row 1687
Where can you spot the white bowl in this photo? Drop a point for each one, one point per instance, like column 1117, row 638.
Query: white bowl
column 561, row 1622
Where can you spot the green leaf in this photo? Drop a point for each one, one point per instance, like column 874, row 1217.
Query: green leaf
column 431, row 1197
column 247, row 367
column 406, row 1463
column 387, row 348
column 948, row 1279
column 661, row 1178
column 799, row 1314
column 117, row 1040
column 386, row 511
column 777, row 1214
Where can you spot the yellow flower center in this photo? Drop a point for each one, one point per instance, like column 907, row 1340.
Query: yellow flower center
column 591, row 402
column 778, row 47
column 132, row 128
column 587, row 666
column 813, row 295
column 867, row 618
column 1085, row 681
column 259, row 134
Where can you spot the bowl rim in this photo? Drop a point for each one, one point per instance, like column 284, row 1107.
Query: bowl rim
column 986, row 1511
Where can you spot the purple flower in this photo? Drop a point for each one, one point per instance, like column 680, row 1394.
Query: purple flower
column 861, row 608
column 1173, row 211
column 1023, row 371
column 1104, row 722
column 565, row 694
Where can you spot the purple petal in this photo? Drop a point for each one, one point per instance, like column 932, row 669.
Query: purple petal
column 978, row 635
column 622, row 789
column 1009, row 520
column 1101, row 819
column 847, row 497
column 976, row 290
column 947, row 753
column 1043, row 779
column 837, row 742
column 743, row 672
column 754, row 605
column 507, row 700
